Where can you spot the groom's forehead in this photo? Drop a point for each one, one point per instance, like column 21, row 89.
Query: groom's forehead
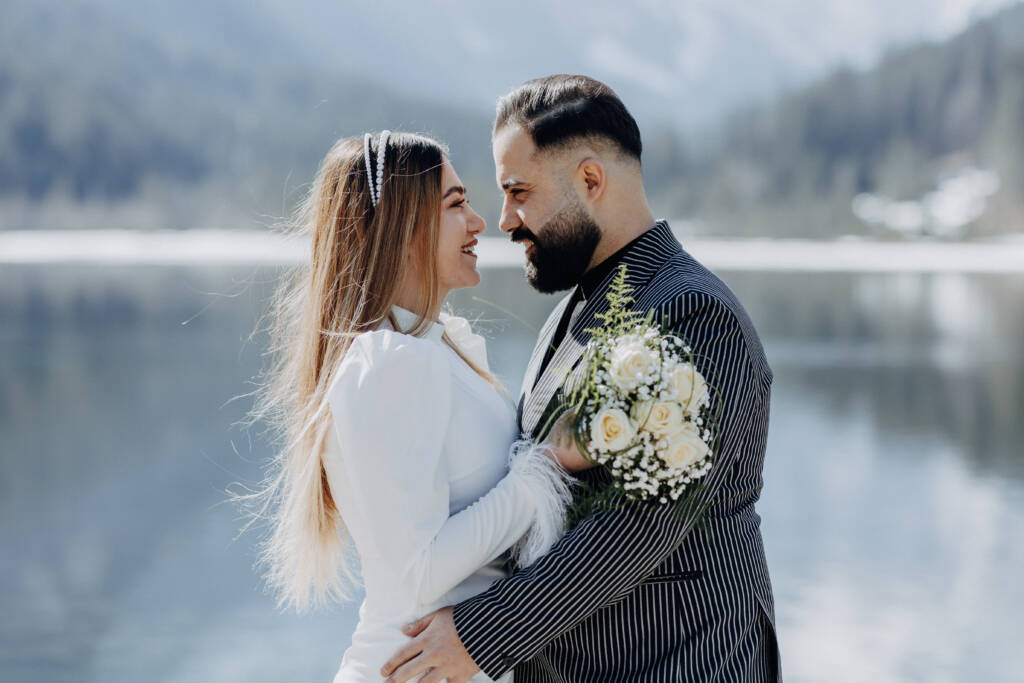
column 513, row 144
column 516, row 157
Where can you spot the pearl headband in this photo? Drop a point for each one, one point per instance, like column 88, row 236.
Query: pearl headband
column 381, row 145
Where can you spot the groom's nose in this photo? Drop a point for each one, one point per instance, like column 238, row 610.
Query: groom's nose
column 510, row 219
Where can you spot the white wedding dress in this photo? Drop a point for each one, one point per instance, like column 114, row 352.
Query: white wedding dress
column 418, row 464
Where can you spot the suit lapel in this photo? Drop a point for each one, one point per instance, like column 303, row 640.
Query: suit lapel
column 539, row 349
column 562, row 362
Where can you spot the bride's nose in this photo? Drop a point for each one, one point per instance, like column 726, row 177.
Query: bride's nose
column 476, row 223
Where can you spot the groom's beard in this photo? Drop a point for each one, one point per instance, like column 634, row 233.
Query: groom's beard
column 561, row 256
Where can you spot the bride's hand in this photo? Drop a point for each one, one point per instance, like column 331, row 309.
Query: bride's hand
column 563, row 445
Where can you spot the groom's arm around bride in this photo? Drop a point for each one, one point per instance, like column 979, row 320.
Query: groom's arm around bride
column 635, row 593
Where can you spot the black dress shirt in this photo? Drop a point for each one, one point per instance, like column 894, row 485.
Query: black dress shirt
column 588, row 284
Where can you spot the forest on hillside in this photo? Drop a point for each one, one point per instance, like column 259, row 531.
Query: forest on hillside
column 922, row 115
column 101, row 126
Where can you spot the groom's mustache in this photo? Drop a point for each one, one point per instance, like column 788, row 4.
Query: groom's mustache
column 521, row 233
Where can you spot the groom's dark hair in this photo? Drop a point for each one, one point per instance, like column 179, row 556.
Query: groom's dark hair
column 560, row 109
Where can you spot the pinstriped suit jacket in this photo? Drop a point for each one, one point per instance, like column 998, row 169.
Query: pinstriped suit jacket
column 635, row 594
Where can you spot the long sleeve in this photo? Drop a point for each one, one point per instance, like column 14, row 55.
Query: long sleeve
column 606, row 556
column 391, row 403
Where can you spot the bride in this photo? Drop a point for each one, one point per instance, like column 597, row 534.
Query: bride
column 397, row 441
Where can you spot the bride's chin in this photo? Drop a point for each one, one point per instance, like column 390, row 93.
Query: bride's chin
column 471, row 277
column 465, row 282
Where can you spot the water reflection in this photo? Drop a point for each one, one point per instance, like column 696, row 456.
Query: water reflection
column 892, row 506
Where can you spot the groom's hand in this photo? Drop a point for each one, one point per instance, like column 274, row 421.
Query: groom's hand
column 435, row 650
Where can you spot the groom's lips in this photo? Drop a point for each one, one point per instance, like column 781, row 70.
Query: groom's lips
column 529, row 245
column 522, row 235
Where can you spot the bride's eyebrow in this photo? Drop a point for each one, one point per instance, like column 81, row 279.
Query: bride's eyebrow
column 454, row 189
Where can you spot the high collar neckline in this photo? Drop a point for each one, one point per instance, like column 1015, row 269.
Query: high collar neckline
column 407, row 320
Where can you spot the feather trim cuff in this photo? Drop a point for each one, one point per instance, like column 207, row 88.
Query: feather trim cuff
column 551, row 488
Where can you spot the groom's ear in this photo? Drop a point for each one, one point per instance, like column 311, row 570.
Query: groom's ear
column 592, row 177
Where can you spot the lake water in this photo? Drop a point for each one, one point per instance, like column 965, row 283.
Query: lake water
column 893, row 508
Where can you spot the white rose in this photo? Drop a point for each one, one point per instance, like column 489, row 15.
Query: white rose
column 688, row 387
column 663, row 418
column 685, row 447
column 639, row 413
column 611, row 430
column 631, row 361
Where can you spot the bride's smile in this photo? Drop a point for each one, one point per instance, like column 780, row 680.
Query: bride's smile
column 460, row 224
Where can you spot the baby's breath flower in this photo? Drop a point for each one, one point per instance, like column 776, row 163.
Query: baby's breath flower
column 631, row 365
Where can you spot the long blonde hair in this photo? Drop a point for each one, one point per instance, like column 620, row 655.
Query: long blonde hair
column 358, row 254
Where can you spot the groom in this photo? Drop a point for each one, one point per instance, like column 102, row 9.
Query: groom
column 634, row 593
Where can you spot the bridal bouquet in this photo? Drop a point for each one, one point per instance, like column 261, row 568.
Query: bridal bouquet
column 640, row 407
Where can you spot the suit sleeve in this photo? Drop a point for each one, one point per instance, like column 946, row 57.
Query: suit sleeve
column 604, row 557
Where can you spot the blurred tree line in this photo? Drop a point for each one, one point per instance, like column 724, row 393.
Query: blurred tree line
column 96, row 117
column 792, row 168
column 95, row 114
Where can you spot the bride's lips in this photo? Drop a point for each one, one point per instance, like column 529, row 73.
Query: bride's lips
column 467, row 249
